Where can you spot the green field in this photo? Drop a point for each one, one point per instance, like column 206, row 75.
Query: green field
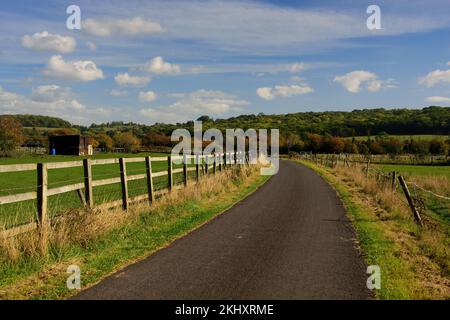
column 417, row 170
column 25, row 181
column 437, row 207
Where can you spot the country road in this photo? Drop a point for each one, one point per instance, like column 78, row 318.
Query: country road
column 291, row 239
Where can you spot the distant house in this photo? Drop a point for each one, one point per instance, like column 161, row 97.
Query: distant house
column 69, row 145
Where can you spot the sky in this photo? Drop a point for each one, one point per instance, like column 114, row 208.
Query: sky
column 173, row 61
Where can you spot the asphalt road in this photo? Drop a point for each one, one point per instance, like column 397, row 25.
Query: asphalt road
column 288, row 240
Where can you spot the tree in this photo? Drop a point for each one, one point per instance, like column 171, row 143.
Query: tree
column 438, row 147
column 392, row 145
column 156, row 139
column 11, row 133
column 127, row 140
column 104, row 141
column 315, row 142
column 62, row 132
column 333, row 144
column 291, row 140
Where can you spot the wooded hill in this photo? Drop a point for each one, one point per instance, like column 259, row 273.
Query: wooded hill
column 430, row 120
column 303, row 131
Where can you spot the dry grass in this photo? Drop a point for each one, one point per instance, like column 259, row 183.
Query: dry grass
column 80, row 227
column 427, row 248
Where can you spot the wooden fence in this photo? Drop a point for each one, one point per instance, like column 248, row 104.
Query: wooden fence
column 203, row 164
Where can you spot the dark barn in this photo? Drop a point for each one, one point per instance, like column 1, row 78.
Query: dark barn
column 69, row 145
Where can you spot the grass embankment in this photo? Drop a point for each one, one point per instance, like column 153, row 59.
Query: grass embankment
column 414, row 261
column 103, row 243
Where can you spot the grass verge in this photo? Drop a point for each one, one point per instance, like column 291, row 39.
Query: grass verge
column 390, row 239
column 102, row 246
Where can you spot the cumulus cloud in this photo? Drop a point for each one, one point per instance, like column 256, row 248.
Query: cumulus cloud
column 269, row 93
column 83, row 70
column 133, row 26
column 194, row 104
column 435, row 77
column 434, row 99
column 148, row 96
column 50, row 93
column 44, row 41
column 448, row 63
column 157, row 65
column 124, row 79
column 355, row 80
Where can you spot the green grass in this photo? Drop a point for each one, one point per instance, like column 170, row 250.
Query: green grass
column 438, row 208
column 417, row 170
column 398, row 280
column 25, row 181
column 118, row 247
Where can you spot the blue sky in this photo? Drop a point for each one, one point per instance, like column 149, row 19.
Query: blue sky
column 172, row 61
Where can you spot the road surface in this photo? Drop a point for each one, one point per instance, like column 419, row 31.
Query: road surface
column 290, row 239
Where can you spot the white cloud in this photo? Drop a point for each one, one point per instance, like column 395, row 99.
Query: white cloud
column 52, row 101
column 118, row 93
column 124, row 79
column 448, row 63
column 297, row 67
column 83, row 70
column 195, row 104
column 269, row 93
column 355, row 80
column 242, row 25
column 435, row 77
column 133, row 26
column 7, row 97
column 157, row 65
column 92, row 46
column 50, row 93
column 437, row 99
column 44, row 41
column 77, row 105
column 148, row 96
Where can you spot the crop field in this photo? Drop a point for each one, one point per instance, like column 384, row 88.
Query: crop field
column 25, row 181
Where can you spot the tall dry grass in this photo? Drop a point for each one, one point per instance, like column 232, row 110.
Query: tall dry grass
column 79, row 226
column 427, row 247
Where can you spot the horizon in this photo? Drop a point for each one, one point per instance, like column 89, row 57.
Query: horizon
column 162, row 62
column 217, row 118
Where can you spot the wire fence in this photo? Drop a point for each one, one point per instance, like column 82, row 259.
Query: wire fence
column 421, row 201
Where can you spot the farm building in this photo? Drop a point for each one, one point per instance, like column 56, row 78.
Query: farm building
column 69, row 145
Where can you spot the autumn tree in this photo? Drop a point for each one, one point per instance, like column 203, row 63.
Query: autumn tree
column 156, row 139
column 392, row 145
column 11, row 133
column 104, row 141
column 314, row 142
column 127, row 140
column 62, row 132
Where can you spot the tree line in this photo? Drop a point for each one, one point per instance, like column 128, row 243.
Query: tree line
column 327, row 132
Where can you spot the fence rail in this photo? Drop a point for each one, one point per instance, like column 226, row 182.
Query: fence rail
column 85, row 189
